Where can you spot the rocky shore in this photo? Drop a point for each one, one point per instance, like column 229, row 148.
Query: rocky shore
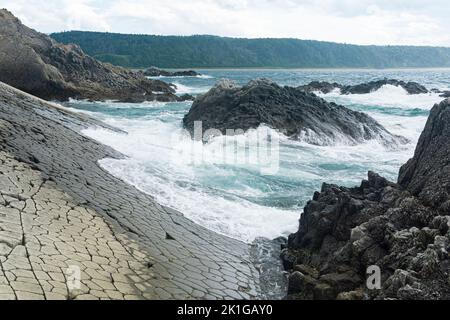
column 35, row 63
column 363, row 88
column 59, row 209
column 402, row 228
column 156, row 72
column 62, row 214
column 297, row 114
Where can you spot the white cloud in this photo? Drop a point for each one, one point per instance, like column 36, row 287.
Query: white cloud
column 414, row 22
column 56, row 15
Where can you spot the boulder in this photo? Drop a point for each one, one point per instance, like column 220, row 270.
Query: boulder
column 228, row 108
column 35, row 63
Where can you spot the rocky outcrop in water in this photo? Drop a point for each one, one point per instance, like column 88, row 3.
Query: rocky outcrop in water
column 297, row 114
column 363, row 88
column 320, row 86
column 402, row 228
column 442, row 93
column 156, row 72
column 35, row 63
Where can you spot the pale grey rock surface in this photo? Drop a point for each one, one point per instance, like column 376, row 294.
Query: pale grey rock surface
column 59, row 208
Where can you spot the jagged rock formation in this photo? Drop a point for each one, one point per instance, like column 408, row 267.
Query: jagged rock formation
column 427, row 174
column 402, row 228
column 297, row 114
column 37, row 64
column 363, row 88
column 156, row 72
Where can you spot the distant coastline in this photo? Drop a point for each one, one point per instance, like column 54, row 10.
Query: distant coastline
column 204, row 51
column 297, row 69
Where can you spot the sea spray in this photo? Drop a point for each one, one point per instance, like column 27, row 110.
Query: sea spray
column 237, row 200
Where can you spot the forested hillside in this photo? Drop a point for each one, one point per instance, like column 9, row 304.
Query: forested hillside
column 140, row 51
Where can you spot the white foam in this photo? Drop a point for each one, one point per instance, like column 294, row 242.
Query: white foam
column 389, row 96
column 197, row 190
column 200, row 76
column 152, row 167
column 183, row 89
column 204, row 76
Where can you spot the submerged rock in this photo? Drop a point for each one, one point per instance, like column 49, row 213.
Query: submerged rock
column 156, row 72
column 363, row 88
column 403, row 228
column 35, row 63
column 297, row 114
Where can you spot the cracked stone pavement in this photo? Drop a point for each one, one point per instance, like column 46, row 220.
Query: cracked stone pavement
column 59, row 209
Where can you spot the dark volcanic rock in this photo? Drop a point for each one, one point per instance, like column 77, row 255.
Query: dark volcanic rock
column 427, row 174
column 443, row 94
column 35, row 63
column 156, row 72
column 402, row 228
column 320, row 86
column 297, row 114
column 363, row 88
column 410, row 87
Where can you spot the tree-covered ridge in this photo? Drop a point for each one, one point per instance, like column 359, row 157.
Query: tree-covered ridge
column 140, row 51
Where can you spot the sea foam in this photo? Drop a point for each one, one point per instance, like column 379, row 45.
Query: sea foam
column 236, row 199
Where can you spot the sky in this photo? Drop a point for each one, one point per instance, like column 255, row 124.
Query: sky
column 382, row 22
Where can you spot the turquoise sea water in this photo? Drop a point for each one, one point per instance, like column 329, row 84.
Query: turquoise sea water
column 236, row 199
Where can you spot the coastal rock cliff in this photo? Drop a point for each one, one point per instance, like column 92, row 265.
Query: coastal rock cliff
column 427, row 174
column 297, row 114
column 401, row 228
column 35, row 63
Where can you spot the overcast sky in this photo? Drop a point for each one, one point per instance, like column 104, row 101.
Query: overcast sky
column 414, row 22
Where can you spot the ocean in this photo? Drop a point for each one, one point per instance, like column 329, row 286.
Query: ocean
column 237, row 199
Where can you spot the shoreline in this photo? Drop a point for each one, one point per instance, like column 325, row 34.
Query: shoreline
column 65, row 210
column 291, row 69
